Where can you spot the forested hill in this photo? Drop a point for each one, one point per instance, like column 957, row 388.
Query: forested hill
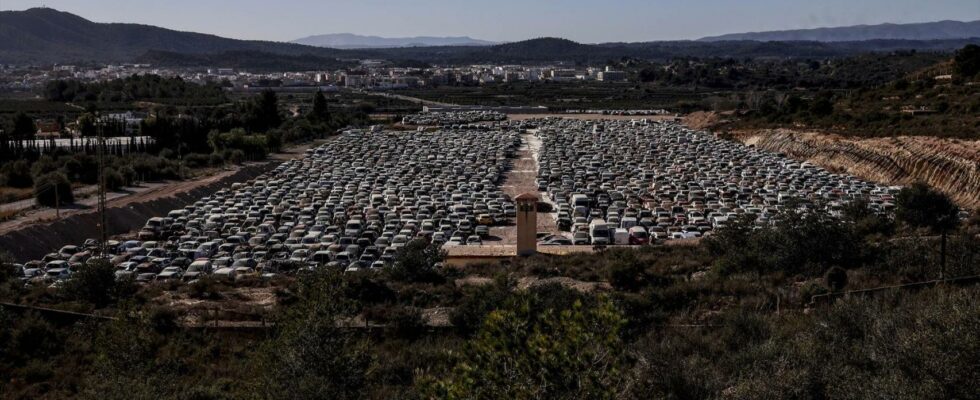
column 920, row 31
column 44, row 35
column 555, row 49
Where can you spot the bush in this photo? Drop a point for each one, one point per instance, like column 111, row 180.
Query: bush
column 16, row 174
column 53, row 190
column 810, row 289
column 400, row 321
column 6, row 267
column 206, row 289
column 96, row 284
column 196, row 160
column 416, row 262
column 128, row 173
column 836, row 279
column 236, row 156
column 570, row 352
column 216, row 160
column 43, row 166
column 114, row 180
column 468, row 315
column 309, row 356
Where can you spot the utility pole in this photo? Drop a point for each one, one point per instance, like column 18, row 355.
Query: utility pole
column 180, row 156
column 100, row 142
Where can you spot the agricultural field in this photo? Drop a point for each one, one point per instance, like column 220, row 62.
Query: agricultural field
column 567, row 95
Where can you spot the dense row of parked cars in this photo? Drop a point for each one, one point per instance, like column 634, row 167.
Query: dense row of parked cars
column 349, row 204
column 633, row 182
column 453, row 118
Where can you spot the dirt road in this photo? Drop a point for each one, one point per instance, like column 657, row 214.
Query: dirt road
column 520, row 179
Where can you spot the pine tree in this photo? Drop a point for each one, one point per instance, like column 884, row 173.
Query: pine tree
column 321, row 111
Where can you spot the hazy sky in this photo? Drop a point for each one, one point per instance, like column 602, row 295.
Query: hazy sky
column 586, row 21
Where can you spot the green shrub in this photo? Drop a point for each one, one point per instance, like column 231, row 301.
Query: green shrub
column 236, row 156
column 43, row 166
column 53, row 190
column 216, row 160
column 97, row 285
column 810, row 289
column 836, row 279
column 196, row 160
column 114, row 180
column 16, row 174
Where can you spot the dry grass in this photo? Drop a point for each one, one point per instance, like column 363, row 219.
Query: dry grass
column 9, row 194
column 7, row 215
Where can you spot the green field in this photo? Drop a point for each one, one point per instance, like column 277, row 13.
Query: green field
column 568, row 95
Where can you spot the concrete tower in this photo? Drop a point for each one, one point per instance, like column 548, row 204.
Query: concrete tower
column 527, row 224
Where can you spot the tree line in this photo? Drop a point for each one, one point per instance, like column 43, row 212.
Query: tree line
column 184, row 137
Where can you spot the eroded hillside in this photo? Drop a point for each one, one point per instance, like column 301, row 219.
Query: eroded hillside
column 950, row 165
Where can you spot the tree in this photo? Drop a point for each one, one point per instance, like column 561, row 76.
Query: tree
column 86, row 125
column 799, row 242
column 321, row 111
column 477, row 302
column 128, row 360
column 310, row 357
column 822, row 106
column 24, row 127
column 836, row 279
column 528, row 352
column 6, row 267
column 53, row 190
column 967, row 61
column 921, row 206
column 416, row 262
column 627, row 272
column 96, row 284
column 263, row 113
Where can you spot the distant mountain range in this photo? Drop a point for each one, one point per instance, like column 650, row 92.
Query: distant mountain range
column 921, row 31
column 44, row 36
column 352, row 41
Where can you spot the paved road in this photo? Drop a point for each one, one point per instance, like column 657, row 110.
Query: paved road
column 415, row 100
column 30, row 203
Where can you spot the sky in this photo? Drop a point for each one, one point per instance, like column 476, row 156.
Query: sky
column 586, row 21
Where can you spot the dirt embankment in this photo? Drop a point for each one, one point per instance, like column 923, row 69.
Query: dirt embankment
column 950, row 165
column 125, row 215
column 703, row 119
